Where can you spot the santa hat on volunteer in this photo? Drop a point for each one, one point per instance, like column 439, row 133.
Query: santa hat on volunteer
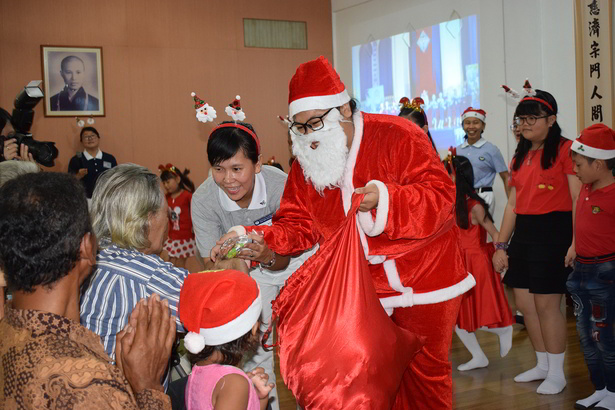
column 474, row 112
column 315, row 86
column 234, row 110
column 596, row 141
column 218, row 307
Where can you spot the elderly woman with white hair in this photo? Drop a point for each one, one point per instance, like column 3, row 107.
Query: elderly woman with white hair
column 129, row 218
column 8, row 171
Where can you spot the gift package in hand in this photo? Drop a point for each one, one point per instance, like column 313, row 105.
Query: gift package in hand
column 232, row 246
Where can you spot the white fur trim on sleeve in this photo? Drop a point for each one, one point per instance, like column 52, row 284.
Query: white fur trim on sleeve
column 238, row 229
column 375, row 227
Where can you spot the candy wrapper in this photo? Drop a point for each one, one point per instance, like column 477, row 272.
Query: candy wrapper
column 232, row 246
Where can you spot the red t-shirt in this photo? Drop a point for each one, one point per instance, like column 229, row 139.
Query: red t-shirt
column 595, row 221
column 540, row 191
column 180, row 218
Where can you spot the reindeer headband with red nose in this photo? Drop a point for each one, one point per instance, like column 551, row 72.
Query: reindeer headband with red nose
column 528, row 94
column 169, row 167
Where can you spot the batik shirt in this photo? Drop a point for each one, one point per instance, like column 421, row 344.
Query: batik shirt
column 50, row 361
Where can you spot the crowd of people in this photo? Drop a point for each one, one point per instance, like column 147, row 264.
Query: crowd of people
column 95, row 312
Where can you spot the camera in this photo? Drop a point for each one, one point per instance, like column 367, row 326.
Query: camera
column 43, row 152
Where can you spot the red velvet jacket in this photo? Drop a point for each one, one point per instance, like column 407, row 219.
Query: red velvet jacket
column 411, row 239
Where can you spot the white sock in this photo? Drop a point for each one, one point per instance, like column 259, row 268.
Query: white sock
column 537, row 373
column 555, row 381
column 505, row 336
column 608, row 402
column 593, row 399
column 478, row 357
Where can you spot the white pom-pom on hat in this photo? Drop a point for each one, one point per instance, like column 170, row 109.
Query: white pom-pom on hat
column 192, row 94
column 237, row 97
column 194, row 342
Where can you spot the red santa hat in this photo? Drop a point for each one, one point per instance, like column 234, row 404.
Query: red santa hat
column 315, row 86
column 198, row 103
column 218, row 307
column 474, row 112
column 596, row 141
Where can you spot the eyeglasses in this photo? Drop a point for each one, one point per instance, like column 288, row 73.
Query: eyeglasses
column 529, row 120
column 90, row 137
column 314, row 124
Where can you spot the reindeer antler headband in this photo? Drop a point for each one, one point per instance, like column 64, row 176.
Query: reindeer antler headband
column 169, row 167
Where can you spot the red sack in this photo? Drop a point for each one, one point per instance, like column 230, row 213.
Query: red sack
column 338, row 348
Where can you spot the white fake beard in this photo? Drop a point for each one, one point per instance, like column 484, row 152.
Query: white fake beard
column 324, row 166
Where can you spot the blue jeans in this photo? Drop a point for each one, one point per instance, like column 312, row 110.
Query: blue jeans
column 592, row 287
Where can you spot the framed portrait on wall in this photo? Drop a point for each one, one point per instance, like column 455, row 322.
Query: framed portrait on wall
column 73, row 81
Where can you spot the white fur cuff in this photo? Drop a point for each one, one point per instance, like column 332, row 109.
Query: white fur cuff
column 375, row 227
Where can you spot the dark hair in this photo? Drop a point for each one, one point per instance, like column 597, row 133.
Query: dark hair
column 464, row 182
column 419, row 118
column 225, row 142
column 232, row 352
column 184, row 181
column 91, row 129
column 4, row 118
column 43, row 218
column 275, row 164
column 554, row 136
column 354, row 105
column 610, row 163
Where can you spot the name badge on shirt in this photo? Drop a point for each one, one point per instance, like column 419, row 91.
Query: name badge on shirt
column 265, row 220
column 106, row 164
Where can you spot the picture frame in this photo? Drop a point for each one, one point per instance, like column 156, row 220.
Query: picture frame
column 73, row 81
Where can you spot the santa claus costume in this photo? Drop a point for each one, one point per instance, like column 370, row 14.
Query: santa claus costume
column 410, row 238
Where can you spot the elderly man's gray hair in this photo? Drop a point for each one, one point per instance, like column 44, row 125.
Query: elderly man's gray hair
column 13, row 169
column 124, row 199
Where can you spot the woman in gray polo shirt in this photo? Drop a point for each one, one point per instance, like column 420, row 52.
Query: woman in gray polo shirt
column 486, row 158
column 241, row 191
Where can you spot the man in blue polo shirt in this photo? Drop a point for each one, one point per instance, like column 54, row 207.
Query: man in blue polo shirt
column 92, row 162
column 486, row 158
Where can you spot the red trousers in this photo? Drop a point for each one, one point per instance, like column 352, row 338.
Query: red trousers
column 428, row 383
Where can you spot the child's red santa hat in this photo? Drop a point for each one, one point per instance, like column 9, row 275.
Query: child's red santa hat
column 315, row 86
column 218, row 307
column 474, row 112
column 596, row 141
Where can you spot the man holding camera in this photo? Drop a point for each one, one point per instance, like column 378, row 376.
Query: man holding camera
column 92, row 162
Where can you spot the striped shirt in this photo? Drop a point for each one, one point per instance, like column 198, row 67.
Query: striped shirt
column 122, row 278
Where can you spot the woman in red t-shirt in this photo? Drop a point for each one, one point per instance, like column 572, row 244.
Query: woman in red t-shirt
column 181, row 244
column 539, row 211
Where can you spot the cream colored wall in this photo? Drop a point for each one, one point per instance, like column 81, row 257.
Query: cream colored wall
column 155, row 53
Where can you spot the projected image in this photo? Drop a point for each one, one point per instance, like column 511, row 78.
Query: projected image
column 438, row 63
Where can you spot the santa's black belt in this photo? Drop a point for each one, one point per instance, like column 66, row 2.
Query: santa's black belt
column 484, row 189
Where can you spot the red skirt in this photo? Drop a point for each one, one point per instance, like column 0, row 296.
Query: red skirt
column 486, row 303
